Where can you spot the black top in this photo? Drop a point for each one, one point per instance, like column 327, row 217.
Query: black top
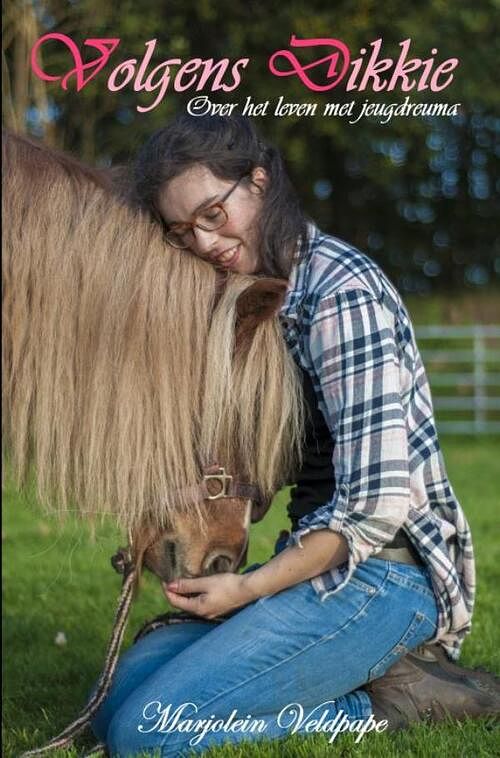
column 315, row 480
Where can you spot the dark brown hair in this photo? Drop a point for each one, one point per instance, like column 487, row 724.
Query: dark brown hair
column 230, row 148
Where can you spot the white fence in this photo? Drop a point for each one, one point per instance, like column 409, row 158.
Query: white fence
column 463, row 366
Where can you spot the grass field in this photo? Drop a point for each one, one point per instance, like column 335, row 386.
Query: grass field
column 59, row 579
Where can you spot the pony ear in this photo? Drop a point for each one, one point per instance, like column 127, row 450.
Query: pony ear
column 259, row 302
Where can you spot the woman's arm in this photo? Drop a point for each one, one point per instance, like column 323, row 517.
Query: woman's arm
column 320, row 551
column 353, row 346
column 222, row 593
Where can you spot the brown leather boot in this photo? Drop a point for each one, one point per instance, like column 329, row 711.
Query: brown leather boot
column 426, row 686
column 484, row 680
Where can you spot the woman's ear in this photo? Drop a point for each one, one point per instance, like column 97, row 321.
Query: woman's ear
column 259, row 178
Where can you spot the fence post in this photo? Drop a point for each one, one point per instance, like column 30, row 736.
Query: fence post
column 473, row 369
column 479, row 379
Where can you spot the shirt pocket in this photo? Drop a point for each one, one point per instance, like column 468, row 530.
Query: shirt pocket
column 418, row 631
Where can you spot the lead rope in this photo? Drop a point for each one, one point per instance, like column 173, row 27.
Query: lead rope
column 124, row 564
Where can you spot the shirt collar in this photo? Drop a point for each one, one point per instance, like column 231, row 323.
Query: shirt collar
column 299, row 275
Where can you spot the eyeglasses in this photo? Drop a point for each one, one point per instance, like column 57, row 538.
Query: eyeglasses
column 209, row 219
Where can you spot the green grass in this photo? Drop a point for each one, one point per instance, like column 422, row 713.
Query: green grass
column 60, row 579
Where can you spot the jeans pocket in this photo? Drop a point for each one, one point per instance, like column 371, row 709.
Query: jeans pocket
column 411, row 578
column 369, row 589
column 419, row 630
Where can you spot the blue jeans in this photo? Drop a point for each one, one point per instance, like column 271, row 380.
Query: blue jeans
column 250, row 676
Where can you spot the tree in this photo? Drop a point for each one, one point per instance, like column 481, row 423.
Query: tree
column 418, row 194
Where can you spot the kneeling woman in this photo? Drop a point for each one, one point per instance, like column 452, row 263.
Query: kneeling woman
column 379, row 560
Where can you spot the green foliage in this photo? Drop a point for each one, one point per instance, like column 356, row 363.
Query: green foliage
column 418, row 194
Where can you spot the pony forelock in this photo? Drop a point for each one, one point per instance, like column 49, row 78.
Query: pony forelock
column 121, row 378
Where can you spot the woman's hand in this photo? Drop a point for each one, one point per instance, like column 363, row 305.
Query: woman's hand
column 221, row 593
column 216, row 595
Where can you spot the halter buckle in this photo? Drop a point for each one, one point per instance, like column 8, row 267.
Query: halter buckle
column 223, row 479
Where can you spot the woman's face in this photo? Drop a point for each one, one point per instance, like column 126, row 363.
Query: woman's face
column 232, row 246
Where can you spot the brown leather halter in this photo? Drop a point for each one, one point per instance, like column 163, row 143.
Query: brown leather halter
column 216, row 484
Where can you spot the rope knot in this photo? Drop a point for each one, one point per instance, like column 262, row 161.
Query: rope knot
column 122, row 561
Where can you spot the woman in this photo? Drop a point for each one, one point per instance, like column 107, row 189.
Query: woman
column 380, row 558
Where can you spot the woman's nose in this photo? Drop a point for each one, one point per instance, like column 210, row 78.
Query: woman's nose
column 205, row 241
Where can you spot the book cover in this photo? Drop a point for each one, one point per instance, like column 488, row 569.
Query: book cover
column 388, row 123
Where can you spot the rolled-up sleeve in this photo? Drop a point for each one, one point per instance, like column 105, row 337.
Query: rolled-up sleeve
column 351, row 347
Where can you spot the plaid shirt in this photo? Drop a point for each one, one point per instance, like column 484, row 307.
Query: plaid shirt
column 346, row 325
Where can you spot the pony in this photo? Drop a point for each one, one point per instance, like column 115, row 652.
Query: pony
column 136, row 376
column 139, row 383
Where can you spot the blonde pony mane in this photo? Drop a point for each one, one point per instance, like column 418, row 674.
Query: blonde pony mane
column 121, row 378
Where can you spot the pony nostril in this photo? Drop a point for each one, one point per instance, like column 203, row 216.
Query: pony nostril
column 218, row 564
column 169, row 549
